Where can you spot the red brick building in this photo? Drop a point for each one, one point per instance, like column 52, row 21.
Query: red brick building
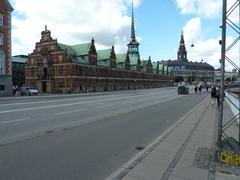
column 5, row 48
column 55, row 67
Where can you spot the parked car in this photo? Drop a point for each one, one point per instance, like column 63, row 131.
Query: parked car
column 183, row 90
column 28, row 90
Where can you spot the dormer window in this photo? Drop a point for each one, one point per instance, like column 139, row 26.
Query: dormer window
column 1, row 19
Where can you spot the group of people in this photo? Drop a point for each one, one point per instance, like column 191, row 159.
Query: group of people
column 215, row 93
column 198, row 88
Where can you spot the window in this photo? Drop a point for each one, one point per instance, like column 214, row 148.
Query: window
column 1, row 19
column 1, row 38
column 32, row 71
column 2, row 87
column 61, row 83
column 61, row 71
column 2, row 67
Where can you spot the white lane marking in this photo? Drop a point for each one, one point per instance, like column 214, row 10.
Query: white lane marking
column 104, row 106
column 68, row 112
column 126, row 102
column 68, row 104
column 16, row 120
column 59, row 105
column 58, row 100
column 77, row 97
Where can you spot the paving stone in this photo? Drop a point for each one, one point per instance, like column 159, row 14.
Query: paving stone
column 148, row 171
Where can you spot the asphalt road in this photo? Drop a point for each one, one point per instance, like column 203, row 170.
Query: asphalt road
column 83, row 137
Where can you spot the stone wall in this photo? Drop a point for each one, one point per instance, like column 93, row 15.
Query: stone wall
column 5, row 85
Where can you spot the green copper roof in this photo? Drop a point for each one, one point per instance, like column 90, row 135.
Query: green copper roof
column 121, row 65
column 82, row 49
column 165, row 69
column 104, row 54
column 103, row 63
column 67, row 48
column 155, row 65
column 20, row 58
column 133, row 60
column 121, row 57
column 79, row 49
column 144, row 63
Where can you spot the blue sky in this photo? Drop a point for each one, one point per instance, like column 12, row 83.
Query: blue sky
column 158, row 25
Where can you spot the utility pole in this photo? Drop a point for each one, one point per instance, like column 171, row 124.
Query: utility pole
column 229, row 25
column 223, row 43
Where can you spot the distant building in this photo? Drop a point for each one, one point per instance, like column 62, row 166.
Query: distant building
column 18, row 70
column 187, row 71
column 230, row 76
column 5, row 48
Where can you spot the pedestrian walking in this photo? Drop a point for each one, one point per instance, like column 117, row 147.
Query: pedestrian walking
column 217, row 96
column 195, row 89
column 213, row 93
column 200, row 89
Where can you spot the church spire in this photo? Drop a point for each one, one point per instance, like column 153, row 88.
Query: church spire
column 133, row 36
column 133, row 44
column 182, row 53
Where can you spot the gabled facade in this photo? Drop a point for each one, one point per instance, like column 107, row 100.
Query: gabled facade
column 155, row 67
column 106, row 58
column 123, row 61
column 5, row 48
column 146, row 66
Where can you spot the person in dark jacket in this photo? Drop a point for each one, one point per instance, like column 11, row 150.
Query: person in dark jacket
column 213, row 93
column 217, row 96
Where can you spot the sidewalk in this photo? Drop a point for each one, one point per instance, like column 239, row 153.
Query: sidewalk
column 181, row 153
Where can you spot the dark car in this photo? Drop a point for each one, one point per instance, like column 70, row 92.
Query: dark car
column 183, row 90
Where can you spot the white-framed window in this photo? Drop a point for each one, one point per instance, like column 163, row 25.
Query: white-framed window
column 1, row 19
column 1, row 38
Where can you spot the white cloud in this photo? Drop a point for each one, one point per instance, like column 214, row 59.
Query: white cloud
column 203, row 8
column 71, row 22
column 193, row 30
column 207, row 50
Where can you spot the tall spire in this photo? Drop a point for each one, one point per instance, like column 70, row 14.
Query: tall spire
column 133, row 36
column 182, row 53
column 133, row 44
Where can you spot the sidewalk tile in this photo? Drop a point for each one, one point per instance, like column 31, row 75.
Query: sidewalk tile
column 159, row 157
column 190, row 172
column 148, row 171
